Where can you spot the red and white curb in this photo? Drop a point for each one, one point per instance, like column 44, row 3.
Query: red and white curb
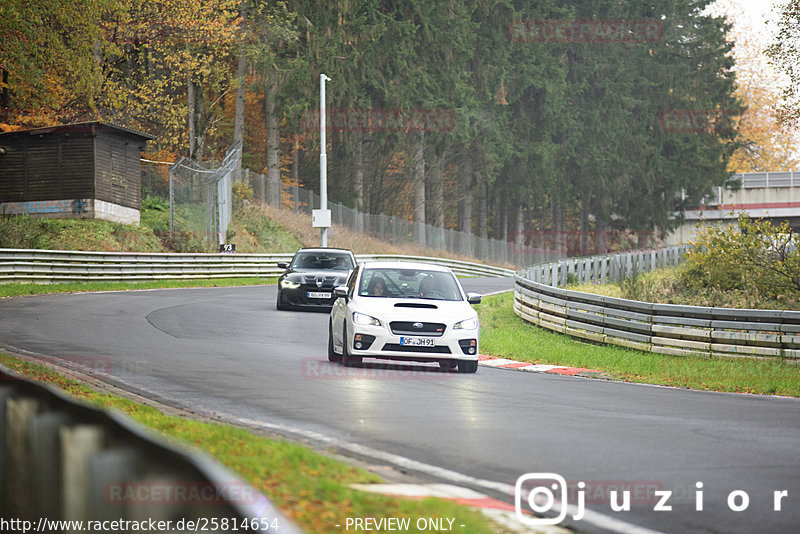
column 491, row 361
column 500, row 512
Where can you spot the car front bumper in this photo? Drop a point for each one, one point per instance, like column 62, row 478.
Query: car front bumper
column 299, row 297
column 379, row 342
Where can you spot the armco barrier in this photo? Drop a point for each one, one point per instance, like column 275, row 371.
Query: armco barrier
column 21, row 265
column 661, row 328
column 65, row 461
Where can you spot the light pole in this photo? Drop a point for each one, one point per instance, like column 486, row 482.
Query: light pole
column 321, row 218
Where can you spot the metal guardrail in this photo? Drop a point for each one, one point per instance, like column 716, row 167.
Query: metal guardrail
column 660, row 328
column 23, row 265
column 65, row 461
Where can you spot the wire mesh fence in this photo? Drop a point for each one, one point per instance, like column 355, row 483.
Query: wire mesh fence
column 199, row 196
column 399, row 230
column 202, row 202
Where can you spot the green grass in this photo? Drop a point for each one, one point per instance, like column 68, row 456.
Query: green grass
column 308, row 487
column 250, row 230
column 20, row 289
column 253, row 232
column 504, row 334
column 76, row 234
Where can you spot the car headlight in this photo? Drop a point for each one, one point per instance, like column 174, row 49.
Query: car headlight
column 288, row 284
column 466, row 324
column 364, row 319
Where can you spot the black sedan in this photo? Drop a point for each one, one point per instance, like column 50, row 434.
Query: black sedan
column 311, row 276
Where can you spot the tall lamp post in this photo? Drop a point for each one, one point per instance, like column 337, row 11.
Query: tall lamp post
column 321, row 218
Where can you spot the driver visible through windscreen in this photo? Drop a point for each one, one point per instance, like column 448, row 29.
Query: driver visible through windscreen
column 409, row 283
column 322, row 261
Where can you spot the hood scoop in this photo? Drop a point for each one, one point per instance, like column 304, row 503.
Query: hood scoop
column 416, row 305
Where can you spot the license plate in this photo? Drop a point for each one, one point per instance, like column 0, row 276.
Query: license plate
column 318, row 295
column 416, row 341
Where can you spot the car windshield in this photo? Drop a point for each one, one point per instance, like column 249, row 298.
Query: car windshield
column 322, row 261
column 409, row 283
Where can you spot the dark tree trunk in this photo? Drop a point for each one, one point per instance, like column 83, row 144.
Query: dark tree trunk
column 273, row 140
column 419, row 189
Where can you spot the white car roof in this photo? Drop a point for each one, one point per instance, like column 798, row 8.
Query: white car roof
column 371, row 264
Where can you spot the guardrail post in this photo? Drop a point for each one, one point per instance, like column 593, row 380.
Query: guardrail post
column 46, row 455
column 109, row 471
column 78, row 444
column 19, row 491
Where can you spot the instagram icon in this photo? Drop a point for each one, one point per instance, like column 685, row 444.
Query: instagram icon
column 542, row 492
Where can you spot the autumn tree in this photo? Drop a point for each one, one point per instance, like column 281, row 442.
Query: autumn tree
column 768, row 144
column 785, row 54
column 51, row 64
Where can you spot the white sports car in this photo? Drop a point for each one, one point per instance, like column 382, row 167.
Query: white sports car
column 404, row 311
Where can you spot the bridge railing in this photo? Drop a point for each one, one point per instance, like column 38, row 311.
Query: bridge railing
column 755, row 180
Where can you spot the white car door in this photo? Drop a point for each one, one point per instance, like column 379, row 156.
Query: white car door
column 340, row 309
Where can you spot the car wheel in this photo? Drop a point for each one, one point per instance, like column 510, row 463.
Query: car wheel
column 278, row 302
column 332, row 356
column 447, row 364
column 467, row 366
column 347, row 360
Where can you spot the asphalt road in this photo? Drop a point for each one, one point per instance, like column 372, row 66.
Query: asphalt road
column 228, row 351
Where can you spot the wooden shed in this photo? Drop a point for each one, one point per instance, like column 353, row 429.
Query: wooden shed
column 86, row 170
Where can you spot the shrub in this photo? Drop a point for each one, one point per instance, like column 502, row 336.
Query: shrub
column 752, row 255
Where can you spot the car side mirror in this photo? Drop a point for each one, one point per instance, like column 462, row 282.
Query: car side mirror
column 340, row 292
column 282, row 265
column 474, row 298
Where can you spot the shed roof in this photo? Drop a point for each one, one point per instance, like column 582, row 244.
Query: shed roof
column 91, row 127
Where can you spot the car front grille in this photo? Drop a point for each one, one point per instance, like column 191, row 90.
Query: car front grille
column 408, row 328
column 396, row 347
column 312, row 281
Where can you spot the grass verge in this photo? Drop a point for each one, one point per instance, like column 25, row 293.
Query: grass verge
column 20, row 289
column 504, row 334
column 308, row 487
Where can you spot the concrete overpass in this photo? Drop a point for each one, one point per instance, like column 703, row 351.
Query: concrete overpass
column 771, row 195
